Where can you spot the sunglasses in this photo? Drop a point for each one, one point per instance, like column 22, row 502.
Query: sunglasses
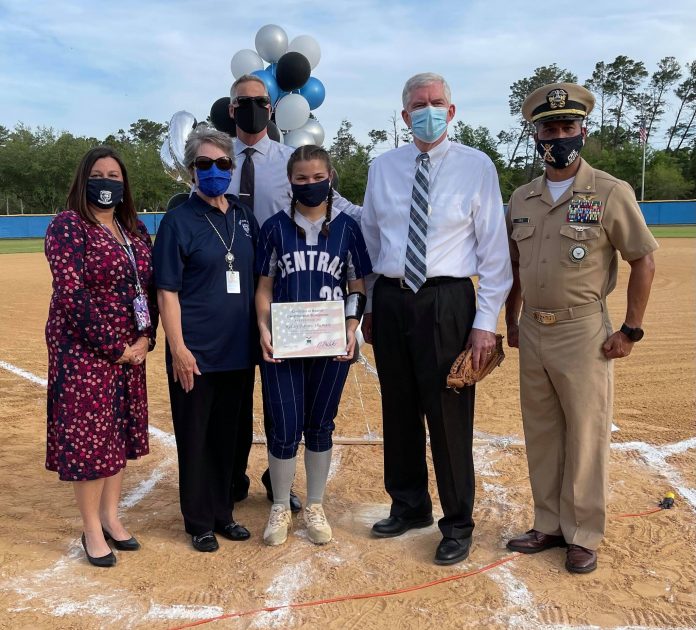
column 259, row 100
column 203, row 163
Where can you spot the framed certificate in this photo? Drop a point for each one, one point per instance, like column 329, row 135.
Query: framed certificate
column 308, row 329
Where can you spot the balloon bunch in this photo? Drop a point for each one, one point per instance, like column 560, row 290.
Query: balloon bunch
column 292, row 89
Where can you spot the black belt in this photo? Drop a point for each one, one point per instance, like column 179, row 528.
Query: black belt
column 430, row 282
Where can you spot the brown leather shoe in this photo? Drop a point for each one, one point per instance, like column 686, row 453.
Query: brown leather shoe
column 580, row 560
column 535, row 541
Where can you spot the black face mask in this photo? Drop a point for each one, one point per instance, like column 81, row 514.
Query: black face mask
column 251, row 117
column 104, row 193
column 560, row 152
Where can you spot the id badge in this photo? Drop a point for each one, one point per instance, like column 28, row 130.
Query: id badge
column 142, row 313
column 233, row 282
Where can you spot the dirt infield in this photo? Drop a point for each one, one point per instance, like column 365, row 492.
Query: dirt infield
column 646, row 571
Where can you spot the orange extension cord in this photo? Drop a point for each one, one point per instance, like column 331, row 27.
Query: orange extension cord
column 398, row 591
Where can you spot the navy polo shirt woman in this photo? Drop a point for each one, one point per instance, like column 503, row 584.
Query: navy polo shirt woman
column 204, row 272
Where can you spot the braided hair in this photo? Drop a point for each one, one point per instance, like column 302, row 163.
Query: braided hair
column 305, row 154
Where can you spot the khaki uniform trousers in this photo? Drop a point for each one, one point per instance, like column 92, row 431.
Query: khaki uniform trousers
column 566, row 391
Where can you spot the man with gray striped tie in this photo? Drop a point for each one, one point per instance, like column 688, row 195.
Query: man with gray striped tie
column 432, row 218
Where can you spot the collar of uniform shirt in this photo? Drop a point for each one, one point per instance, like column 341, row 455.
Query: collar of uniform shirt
column 437, row 155
column 312, row 228
column 261, row 146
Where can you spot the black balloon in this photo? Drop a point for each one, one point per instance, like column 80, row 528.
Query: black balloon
column 292, row 71
column 177, row 200
column 220, row 116
column 273, row 131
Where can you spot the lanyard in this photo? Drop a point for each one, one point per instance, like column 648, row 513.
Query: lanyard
column 229, row 256
column 129, row 252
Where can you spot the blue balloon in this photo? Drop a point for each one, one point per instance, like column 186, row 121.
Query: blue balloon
column 314, row 92
column 271, row 84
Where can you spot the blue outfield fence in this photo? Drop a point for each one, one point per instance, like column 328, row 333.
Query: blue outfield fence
column 34, row 225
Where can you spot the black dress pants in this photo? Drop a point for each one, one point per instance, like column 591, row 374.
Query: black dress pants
column 245, row 438
column 417, row 337
column 205, row 426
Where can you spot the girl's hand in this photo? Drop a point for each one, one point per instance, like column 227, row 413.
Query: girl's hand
column 267, row 346
column 350, row 346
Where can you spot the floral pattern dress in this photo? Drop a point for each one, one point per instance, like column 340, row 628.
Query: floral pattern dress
column 97, row 409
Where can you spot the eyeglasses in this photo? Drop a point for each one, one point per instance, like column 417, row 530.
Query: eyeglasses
column 203, row 163
column 264, row 101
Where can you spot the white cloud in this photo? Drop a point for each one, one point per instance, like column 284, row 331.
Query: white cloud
column 92, row 67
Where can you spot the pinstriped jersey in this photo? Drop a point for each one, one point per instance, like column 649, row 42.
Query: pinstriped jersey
column 312, row 268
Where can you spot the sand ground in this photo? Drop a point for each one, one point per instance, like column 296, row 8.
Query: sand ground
column 646, row 568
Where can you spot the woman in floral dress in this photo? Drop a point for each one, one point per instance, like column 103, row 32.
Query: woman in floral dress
column 101, row 324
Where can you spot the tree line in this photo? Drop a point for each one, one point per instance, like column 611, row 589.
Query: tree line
column 36, row 166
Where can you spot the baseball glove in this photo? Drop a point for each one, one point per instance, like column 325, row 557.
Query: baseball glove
column 462, row 372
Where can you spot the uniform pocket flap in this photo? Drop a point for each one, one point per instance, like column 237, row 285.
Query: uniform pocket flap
column 580, row 232
column 521, row 232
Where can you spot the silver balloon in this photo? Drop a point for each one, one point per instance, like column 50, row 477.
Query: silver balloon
column 271, row 42
column 298, row 138
column 168, row 161
column 292, row 111
column 245, row 61
column 308, row 46
column 317, row 131
column 180, row 126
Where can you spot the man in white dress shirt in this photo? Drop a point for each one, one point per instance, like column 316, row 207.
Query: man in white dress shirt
column 261, row 182
column 432, row 218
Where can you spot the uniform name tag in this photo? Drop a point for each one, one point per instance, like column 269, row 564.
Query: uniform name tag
column 233, row 285
column 521, row 220
column 585, row 209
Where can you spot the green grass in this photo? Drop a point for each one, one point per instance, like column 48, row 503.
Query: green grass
column 673, row 231
column 21, row 245
column 31, row 245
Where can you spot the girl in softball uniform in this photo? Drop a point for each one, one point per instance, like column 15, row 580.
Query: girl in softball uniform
column 308, row 253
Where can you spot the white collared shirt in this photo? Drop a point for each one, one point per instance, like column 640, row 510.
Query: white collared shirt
column 466, row 225
column 272, row 191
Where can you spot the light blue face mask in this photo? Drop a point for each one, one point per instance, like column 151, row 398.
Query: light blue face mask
column 429, row 123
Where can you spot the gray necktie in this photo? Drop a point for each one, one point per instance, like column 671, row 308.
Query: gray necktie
column 415, row 269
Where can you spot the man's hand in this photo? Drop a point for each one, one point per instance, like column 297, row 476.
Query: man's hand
column 366, row 327
column 617, row 346
column 513, row 335
column 481, row 343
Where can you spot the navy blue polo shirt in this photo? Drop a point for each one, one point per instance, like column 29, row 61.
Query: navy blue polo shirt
column 219, row 328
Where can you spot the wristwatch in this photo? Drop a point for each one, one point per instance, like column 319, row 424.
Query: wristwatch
column 634, row 334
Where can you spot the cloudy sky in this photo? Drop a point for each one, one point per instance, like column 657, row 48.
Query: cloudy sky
column 92, row 67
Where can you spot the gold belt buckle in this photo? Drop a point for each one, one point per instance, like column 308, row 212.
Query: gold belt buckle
column 545, row 318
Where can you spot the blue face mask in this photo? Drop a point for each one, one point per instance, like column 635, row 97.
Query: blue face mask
column 213, row 182
column 311, row 195
column 429, row 123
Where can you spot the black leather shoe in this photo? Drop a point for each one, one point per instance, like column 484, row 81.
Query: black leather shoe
column 397, row 525
column 452, row 550
column 295, row 503
column 122, row 545
column 234, row 531
column 205, row 542
column 109, row 560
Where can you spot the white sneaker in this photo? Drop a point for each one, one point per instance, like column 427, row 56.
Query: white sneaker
column 318, row 527
column 279, row 523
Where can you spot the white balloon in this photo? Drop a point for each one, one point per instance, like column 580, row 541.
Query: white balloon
column 180, row 126
column 168, row 162
column 271, row 42
column 245, row 61
column 315, row 129
column 308, row 46
column 298, row 138
column 292, row 111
